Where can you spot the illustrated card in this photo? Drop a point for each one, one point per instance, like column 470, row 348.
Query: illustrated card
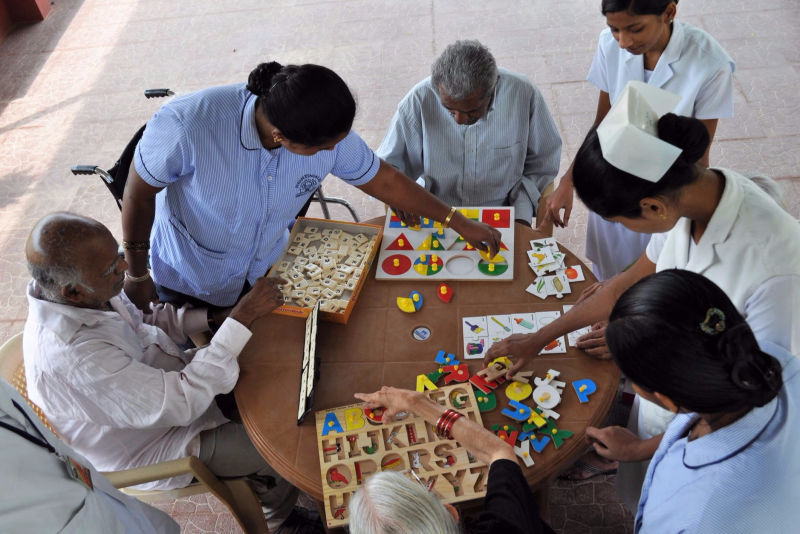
column 476, row 347
column 523, row 323
column 475, row 326
column 499, row 326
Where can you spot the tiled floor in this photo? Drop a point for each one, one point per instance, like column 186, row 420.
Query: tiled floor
column 71, row 92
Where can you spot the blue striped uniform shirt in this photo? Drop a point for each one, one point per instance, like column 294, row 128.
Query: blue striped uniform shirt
column 742, row 477
column 506, row 158
column 223, row 214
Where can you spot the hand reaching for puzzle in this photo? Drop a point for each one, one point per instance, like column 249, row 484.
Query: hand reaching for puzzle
column 265, row 296
column 593, row 343
column 392, row 400
column 518, row 347
column 618, row 443
column 408, row 218
column 479, row 235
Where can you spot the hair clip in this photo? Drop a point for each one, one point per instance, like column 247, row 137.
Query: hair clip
column 714, row 322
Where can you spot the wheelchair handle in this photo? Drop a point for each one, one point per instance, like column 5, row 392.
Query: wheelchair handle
column 92, row 169
column 157, row 93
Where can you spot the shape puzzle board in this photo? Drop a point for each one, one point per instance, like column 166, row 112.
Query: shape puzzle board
column 430, row 252
column 354, row 446
column 480, row 333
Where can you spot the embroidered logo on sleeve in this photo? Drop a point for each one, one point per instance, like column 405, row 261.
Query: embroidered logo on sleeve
column 307, row 184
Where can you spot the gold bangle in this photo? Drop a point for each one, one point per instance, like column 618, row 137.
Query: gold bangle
column 137, row 279
column 446, row 223
column 135, row 245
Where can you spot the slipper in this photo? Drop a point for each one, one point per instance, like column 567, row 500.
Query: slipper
column 587, row 470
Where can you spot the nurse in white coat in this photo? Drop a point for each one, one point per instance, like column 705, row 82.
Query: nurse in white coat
column 643, row 172
column 644, row 43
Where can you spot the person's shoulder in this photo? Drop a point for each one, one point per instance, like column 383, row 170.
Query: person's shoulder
column 699, row 44
column 419, row 95
column 208, row 103
column 515, row 79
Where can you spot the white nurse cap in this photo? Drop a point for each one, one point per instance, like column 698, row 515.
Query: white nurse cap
column 628, row 136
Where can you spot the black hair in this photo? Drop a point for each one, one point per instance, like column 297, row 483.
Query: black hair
column 309, row 104
column 610, row 192
column 635, row 7
column 677, row 333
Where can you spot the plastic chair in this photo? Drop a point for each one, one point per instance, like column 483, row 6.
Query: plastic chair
column 115, row 177
column 235, row 494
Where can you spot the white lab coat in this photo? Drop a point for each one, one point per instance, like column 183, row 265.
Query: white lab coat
column 694, row 66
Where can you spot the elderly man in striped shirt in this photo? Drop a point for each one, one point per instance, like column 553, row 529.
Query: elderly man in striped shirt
column 475, row 135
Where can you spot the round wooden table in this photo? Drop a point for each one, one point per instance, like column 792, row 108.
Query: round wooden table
column 376, row 348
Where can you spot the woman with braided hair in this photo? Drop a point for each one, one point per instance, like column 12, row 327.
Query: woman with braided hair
column 728, row 460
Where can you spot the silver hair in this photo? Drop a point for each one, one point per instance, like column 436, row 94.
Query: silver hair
column 391, row 503
column 51, row 279
column 463, row 68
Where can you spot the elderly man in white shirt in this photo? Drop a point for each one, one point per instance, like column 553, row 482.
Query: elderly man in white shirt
column 475, row 134
column 113, row 381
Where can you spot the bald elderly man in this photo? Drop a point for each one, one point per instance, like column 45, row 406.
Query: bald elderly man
column 114, row 382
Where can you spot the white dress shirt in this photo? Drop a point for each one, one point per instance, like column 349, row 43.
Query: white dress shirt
column 118, row 389
column 506, row 158
column 39, row 496
column 693, row 66
column 739, row 478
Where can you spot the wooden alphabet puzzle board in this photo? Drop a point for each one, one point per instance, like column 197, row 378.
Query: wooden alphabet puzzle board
column 431, row 252
column 353, row 444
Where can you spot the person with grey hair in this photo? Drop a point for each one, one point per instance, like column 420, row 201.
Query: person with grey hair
column 475, row 134
column 113, row 381
column 389, row 503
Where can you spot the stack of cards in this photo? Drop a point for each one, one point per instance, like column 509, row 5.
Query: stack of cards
column 553, row 276
column 481, row 332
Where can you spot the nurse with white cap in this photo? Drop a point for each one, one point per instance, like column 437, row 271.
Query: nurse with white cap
column 643, row 42
column 639, row 168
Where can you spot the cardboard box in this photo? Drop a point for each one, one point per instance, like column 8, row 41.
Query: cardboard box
column 326, row 261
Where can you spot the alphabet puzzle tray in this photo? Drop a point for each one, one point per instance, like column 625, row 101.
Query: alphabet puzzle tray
column 431, row 252
column 355, row 443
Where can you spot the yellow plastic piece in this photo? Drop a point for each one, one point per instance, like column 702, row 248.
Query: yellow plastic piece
column 496, row 216
column 416, row 297
column 544, row 397
column 491, row 267
column 443, row 291
column 496, row 259
column 583, row 388
column 396, row 262
column 406, row 304
column 401, row 242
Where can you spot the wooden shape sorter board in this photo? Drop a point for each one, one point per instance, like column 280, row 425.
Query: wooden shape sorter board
column 430, row 252
column 353, row 445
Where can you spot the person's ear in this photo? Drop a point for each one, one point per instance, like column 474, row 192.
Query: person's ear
column 277, row 136
column 670, row 12
column 666, row 402
column 654, row 208
column 453, row 511
column 72, row 293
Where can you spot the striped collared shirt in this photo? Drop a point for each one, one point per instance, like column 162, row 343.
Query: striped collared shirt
column 223, row 215
column 506, row 158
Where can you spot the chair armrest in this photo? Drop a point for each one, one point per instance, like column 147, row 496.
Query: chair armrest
column 149, row 473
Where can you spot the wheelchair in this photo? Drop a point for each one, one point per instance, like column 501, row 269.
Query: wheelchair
column 115, row 177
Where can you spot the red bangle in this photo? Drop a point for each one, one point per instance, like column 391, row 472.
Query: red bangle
column 445, row 423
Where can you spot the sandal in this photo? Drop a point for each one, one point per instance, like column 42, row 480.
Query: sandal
column 584, row 471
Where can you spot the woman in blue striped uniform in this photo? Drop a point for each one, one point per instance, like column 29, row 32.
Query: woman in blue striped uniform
column 220, row 174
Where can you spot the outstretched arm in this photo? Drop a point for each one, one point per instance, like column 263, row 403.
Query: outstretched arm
column 595, row 308
column 398, row 190
column 480, row 442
